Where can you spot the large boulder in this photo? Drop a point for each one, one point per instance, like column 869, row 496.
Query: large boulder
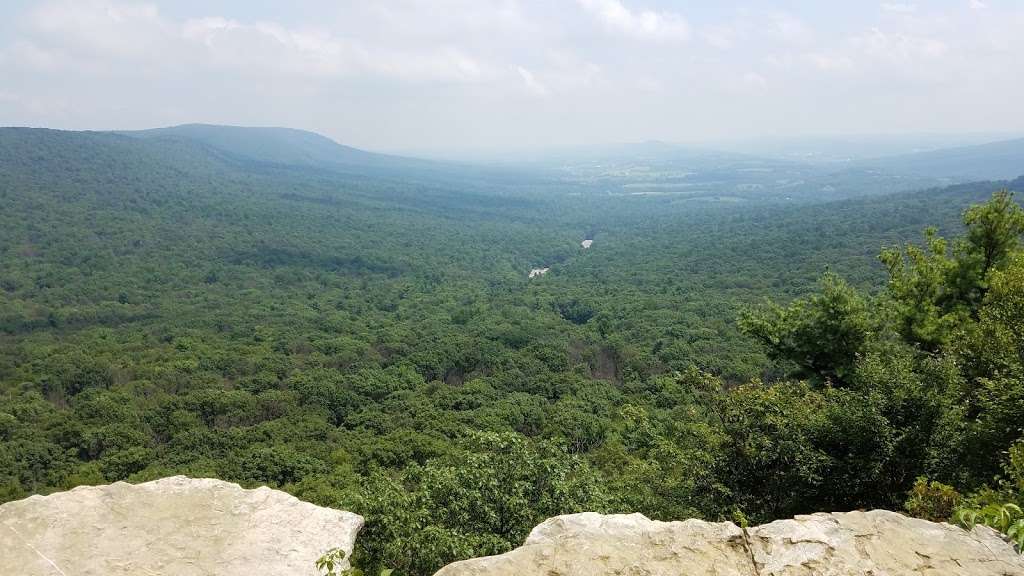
column 170, row 527
column 877, row 543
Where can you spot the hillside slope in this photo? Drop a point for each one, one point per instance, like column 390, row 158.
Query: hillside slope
column 992, row 161
column 285, row 146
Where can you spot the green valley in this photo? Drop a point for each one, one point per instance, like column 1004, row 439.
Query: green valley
column 269, row 307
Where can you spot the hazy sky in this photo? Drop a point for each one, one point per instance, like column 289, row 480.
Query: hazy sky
column 398, row 74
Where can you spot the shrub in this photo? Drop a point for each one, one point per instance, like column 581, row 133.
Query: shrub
column 932, row 501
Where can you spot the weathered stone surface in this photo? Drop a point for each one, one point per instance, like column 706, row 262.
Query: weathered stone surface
column 170, row 527
column 877, row 543
column 880, row 543
column 590, row 543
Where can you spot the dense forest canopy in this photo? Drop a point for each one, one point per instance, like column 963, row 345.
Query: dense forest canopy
column 366, row 336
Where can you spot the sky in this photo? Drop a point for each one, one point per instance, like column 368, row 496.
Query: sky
column 403, row 75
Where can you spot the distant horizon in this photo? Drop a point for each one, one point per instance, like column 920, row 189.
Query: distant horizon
column 942, row 140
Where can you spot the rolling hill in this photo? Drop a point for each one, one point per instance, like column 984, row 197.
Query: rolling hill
column 279, row 146
column 992, row 161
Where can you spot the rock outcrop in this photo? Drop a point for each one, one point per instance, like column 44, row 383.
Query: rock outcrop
column 170, row 527
column 199, row 527
column 877, row 543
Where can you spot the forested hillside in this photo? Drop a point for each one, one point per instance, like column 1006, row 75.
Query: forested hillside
column 373, row 342
column 1001, row 159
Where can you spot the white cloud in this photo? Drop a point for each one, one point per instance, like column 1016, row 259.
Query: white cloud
column 643, row 24
column 898, row 47
column 650, row 85
column 421, row 72
column 754, row 80
column 789, row 29
column 899, row 7
column 85, row 33
column 35, row 106
column 722, row 37
column 830, row 62
column 564, row 71
column 260, row 46
column 532, row 84
column 29, row 55
column 122, row 30
column 266, row 46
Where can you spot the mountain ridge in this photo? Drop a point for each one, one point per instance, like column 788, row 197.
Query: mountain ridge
column 1003, row 159
column 274, row 145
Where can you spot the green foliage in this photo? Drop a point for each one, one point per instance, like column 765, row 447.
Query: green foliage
column 1006, row 518
column 920, row 289
column 329, row 563
column 740, row 519
column 480, row 501
column 792, row 448
column 1015, row 466
column 993, row 232
column 933, row 290
column 999, row 516
column 1000, row 506
column 372, row 343
column 1015, row 533
column 822, row 334
column 932, row 500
